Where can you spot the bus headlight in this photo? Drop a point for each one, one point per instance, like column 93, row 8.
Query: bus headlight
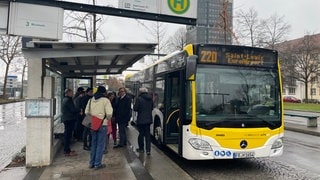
column 200, row 144
column 277, row 144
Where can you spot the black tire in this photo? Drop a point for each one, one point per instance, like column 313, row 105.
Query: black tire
column 157, row 132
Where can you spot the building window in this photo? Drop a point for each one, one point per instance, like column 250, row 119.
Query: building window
column 314, row 80
column 284, row 91
column 292, row 91
column 313, row 91
column 292, row 82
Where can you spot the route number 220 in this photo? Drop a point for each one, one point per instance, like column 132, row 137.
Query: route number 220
column 208, row 57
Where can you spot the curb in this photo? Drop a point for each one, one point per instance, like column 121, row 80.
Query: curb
column 302, row 129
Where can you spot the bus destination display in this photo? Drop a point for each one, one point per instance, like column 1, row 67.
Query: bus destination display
column 235, row 55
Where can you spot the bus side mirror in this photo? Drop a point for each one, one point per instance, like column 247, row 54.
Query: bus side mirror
column 191, row 66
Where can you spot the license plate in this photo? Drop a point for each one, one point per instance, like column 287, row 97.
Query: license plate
column 243, row 154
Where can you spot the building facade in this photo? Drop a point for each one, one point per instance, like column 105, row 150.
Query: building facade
column 214, row 22
column 303, row 55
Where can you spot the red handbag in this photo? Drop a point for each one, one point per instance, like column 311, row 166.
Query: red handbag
column 96, row 123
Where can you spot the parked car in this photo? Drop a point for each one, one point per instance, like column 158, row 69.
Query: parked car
column 291, row 99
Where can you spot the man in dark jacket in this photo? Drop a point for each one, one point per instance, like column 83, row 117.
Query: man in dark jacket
column 122, row 115
column 68, row 118
column 86, row 131
column 144, row 106
column 78, row 131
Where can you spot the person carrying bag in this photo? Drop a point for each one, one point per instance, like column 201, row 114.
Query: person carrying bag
column 87, row 119
column 92, row 122
column 101, row 110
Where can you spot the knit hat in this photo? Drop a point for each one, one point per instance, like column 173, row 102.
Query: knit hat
column 80, row 89
column 89, row 89
column 101, row 89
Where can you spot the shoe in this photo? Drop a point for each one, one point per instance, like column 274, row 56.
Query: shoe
column 100, row 167
column 140, row 150
column 117, row 146
column 86, row 148
column 70, row 154
column 91, row 166
column 71, row 151
column 148, row 153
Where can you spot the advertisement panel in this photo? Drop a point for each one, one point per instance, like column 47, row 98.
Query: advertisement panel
column 35, row 21
column 4, row 8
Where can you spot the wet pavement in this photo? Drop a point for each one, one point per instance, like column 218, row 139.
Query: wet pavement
column 123, row 163
column 12, row 131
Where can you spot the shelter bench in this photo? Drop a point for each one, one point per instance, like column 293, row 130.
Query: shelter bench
column 312, row 120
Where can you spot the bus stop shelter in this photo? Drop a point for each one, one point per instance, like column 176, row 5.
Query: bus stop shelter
column 65, row 59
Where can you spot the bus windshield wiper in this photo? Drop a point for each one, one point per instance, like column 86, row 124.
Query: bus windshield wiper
column 219, row 122
column 263, row 120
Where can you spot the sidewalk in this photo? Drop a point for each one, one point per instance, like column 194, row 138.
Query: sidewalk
column 300, row 127
column 300, row 124
column 123, row 163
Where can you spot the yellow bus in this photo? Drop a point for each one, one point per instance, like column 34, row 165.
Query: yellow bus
column 216, row 101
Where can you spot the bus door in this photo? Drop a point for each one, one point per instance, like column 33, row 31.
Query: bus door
column 172, row 111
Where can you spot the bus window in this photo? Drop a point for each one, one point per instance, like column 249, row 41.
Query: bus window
column 159, row 98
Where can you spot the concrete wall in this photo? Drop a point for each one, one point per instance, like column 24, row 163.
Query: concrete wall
column 39, row 151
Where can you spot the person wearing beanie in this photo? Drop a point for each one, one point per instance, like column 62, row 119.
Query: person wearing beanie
column 144, row 106
column 100, row 107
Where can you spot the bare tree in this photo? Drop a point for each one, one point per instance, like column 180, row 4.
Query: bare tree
column 178, row 40
column 249, row 27
column 287, row 65
column 223, row 24
column 275, row 30
column 10, row 48
column 114, row 84
column 301, row 57
column 84, row 25
column 158, row 32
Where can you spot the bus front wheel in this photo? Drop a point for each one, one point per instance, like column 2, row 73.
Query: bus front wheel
column 157, row 135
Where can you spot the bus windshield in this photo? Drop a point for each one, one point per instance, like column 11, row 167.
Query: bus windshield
column 230, row 96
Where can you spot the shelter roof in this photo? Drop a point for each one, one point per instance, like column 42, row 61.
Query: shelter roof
column 78, row 59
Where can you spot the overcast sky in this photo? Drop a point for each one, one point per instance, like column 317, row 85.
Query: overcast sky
column 302, row 15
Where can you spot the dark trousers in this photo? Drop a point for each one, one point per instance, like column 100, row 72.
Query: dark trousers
column 144, row 135
column 78, row 131
column 122, row 133
column 86, row 137
column 68, row 129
